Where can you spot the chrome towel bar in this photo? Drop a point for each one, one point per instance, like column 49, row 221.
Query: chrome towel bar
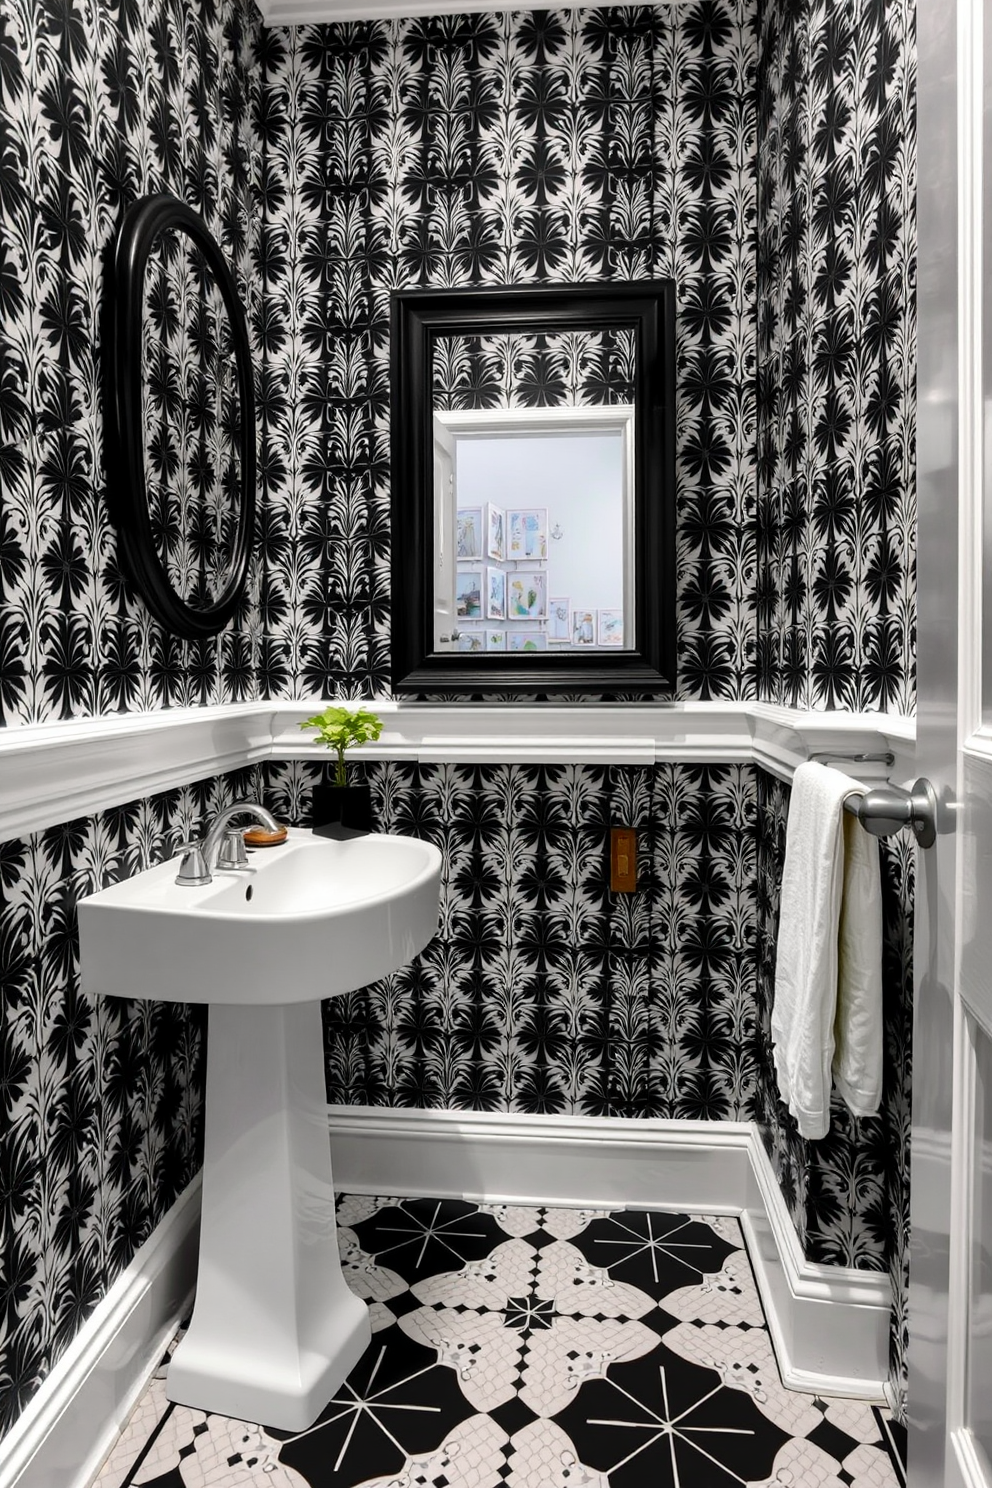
column 884, row 810
column 879, row 757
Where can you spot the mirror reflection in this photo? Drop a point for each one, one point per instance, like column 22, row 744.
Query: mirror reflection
column 533, row 492
column 191, row 420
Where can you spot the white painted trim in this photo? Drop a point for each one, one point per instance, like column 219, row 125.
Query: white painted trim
column 971, row 437
column 783, row 738
column 71, row 1423
column 55, row 772
column 829, row 1324
column 613, row 417
column 520, row 1159
column 329, row 12
column 962, row 1231
column 978, row 746
column 968, row 1466
column 51, row 773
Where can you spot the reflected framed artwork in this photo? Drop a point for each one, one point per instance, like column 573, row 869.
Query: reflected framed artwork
column 528, row 535
column 469, row 532
column 495, row 594
column 559, row 627
column 468, row 594
column 495, row 533
column 583, row 627
column 610, row 627
column 527, row 595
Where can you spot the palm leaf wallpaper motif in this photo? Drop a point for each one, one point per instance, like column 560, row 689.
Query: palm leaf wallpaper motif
column 848, row 1194
column 100, row 106
column 102, row 1100
column 192, row 416
column 487, row 150
column 572, row 369
column 334, row 164
column 543, row 992
column 837, row 355
column 836, row 521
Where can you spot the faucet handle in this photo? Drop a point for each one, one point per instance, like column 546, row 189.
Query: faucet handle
column 193, row 869
column 232, row 850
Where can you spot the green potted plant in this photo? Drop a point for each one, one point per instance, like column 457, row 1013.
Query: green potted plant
column 341, row 804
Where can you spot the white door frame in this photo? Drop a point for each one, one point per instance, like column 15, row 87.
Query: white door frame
column 953, row 749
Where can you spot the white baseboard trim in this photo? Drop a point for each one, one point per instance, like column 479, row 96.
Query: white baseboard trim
column 581, row 1161
column 71, row 1423
column 829, row 1324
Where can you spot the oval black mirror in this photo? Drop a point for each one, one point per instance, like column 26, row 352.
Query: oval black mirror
column 179, row 405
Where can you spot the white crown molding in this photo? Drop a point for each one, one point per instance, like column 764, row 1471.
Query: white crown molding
column 51, row 773
column 66, row 1430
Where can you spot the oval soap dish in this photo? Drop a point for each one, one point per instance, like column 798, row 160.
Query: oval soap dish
column 259, row 837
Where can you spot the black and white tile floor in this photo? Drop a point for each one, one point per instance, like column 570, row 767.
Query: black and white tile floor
column 534, row 1348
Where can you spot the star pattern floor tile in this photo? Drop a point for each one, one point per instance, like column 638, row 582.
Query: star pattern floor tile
column 534, row 1348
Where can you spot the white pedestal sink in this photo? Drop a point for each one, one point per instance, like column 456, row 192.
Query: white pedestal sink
column 275, row 1329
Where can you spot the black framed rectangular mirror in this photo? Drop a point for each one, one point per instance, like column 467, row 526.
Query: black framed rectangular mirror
column 533, row 489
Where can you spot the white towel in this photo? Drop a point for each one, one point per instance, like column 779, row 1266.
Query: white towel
column 830, row 928
column 858, row 1030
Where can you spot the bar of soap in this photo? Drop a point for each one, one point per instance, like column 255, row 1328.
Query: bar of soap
column 259, row 837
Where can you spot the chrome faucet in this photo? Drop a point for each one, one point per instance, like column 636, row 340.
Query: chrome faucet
column 223, row 847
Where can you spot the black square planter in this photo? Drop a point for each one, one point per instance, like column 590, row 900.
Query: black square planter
column 337, row 806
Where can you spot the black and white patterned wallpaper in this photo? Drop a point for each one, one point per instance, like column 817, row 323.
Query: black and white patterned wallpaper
column 192, row 421
column 523, row 148
column 567, row 369
column 334, row 164
column 836, row 593
column 836, row 523
column 99, row 106
column 849, row 1193
column 101, row 1101
column 101, row 1122
column 542, row 991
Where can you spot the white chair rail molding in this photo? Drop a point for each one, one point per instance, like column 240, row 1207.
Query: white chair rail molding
column 58, row 771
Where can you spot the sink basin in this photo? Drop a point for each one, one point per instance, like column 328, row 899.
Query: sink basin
column 311, row 918
column 274, row 1330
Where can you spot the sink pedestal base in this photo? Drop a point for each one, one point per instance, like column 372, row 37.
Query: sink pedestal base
column 275, row 1329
